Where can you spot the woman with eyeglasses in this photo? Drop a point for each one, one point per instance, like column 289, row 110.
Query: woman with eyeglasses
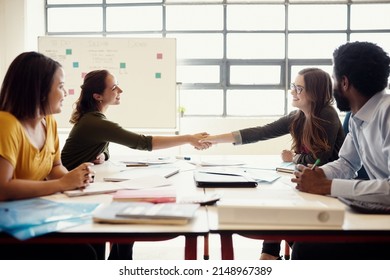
column 315, row 129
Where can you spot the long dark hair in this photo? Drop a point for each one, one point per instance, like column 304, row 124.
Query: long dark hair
column 27, row 84
column 94, row 82
column 308, row 133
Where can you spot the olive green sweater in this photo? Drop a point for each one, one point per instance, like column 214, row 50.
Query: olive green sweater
column 91, row 136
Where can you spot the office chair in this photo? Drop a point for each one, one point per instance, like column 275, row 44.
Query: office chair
column 362, row 174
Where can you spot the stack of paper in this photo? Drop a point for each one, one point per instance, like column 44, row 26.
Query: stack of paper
column 150, row 181
column 154, row 195
column 146, row 213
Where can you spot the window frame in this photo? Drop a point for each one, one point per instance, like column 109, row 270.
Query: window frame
column 225, row 63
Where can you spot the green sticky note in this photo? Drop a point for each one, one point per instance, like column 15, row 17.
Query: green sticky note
column 158, row 75
column 75, row 65
column 122, row 65
column 68, row 51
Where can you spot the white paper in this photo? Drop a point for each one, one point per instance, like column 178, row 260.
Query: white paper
column 151, row 181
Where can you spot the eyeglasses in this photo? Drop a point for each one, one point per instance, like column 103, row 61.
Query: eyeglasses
column 297, row 89
column 114, row 87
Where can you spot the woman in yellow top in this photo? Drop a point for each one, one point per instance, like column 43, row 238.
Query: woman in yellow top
column 30, row 164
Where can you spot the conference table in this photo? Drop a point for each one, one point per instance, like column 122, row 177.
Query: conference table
column 356, row 227
column 124, row 233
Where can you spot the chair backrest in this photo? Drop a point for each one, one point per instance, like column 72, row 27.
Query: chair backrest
column 362, row 174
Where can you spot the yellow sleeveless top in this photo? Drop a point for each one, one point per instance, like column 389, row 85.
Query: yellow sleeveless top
column 29, row 162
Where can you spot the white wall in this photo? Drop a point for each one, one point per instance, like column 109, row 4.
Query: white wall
column 21, row 22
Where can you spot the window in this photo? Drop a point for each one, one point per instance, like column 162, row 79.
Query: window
column 232, row 53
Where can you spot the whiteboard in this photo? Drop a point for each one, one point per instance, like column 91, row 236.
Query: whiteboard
column 145, row 69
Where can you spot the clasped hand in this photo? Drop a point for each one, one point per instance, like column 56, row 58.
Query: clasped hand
column 78, row 178
column 198, row 142
column 311, row 180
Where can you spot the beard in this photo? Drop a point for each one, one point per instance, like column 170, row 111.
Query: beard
column 341, row 101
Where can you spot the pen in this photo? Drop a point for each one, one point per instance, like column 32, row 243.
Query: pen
column 181, row 157
column 163, row 158
column 136, row 164
column 315, row 164
column 285, row 170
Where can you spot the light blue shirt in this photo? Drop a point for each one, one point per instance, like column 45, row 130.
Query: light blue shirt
column 367, row 143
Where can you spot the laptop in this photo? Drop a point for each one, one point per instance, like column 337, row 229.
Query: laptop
column 366, row 207
column 139, row 172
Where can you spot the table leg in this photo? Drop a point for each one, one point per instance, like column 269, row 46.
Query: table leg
column 206, row 254
column 190, row 250
column 227, row 252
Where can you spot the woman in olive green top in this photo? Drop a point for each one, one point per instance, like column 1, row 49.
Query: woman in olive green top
column 92, row 132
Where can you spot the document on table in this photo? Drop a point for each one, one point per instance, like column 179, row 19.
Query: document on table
column 253, row 173
column 150, row 181
column 218, row 162
column 149, row 161
column 139, row 172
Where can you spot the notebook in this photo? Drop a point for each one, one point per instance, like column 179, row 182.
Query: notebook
column 223, row 180
column 137, row 172
column 146, row 213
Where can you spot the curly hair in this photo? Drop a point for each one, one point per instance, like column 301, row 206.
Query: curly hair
column 365, row 64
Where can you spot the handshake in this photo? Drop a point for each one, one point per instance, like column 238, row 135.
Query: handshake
column 202, row 141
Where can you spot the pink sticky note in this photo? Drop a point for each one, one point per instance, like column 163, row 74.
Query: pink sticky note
column 71, row 91
column 159, row 56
